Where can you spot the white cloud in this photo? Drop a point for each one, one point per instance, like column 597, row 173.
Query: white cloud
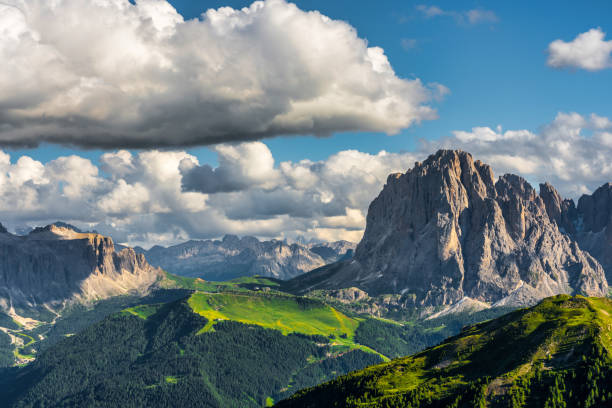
column 469, row 17
column 587, row 51
column 572, row 152
column 330, row 194
column 139, row 75
column 240, row 167
column 144, row 199
column 430, row 11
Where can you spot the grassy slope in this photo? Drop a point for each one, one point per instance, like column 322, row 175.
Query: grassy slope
column 152, row 355
column 491, row 358
column 288, row 314
column 142, row 311
column 259, row 301
column 238, row 284
column 282, row 313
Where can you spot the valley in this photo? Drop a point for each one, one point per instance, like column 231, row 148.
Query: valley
column 274, row 343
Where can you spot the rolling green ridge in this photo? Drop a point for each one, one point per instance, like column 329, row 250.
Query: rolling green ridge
column 52, row 328
column 556, row 354
column 156, row 355
column 285, row 313
column 261, row 299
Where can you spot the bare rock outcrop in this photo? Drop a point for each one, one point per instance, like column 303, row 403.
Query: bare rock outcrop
column 446, row 229
column 589, row 223
column 56, row 264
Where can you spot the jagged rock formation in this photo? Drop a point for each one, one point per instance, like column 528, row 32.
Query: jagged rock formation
column 333, row 251
column 589, row 223
column 55, row 264
column 446, row 230
column 234, row 257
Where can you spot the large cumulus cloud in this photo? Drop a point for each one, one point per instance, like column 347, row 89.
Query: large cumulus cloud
column 110, row 74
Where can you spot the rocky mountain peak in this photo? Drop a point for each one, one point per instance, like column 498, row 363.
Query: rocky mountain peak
column 229, row 239
column 561, row 211
column 446, row 230
column 589, row 223
column 55, row 264
column 596, row 209
column 447, row 180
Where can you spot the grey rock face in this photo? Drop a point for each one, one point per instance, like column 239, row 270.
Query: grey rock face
column 56, row 264
column 590, row 223
column 233, row 257
column 446, row 230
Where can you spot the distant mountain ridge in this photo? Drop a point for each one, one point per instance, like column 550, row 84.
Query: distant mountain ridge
column 446, row 230
column 233, row 257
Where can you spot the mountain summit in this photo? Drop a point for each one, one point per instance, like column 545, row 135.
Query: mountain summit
column 57, row 263
column 446, row 229
column 589, row 223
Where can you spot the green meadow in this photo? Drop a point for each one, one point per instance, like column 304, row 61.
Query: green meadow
column 285, row 313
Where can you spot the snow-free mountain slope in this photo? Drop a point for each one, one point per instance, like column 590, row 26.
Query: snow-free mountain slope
column 447, row 229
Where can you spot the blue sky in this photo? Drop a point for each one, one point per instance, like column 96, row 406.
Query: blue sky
column 155, row 124
column 496, row 71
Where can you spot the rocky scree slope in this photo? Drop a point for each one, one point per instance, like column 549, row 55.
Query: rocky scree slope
column 446, row 230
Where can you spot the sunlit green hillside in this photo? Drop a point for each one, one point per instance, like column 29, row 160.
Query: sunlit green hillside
column 556, row 354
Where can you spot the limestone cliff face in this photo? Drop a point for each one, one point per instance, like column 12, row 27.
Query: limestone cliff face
column 446, row 230
column 589, row 223
column 55, row 264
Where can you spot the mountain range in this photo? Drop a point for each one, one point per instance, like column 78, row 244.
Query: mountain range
column 233, row 257
column 447, row 230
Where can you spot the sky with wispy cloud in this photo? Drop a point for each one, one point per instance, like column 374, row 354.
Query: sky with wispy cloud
column 157, row 122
